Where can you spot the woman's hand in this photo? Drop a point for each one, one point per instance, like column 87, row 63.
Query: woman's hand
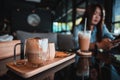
column 116, row 42
column 105, row 44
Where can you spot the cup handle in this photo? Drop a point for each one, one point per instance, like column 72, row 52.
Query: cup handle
column 15, row 51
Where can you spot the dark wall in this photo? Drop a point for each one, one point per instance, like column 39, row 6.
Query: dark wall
column 108, row 10
column 1, row 14
column 9, row 5
column 20, row 20
column 16, row 13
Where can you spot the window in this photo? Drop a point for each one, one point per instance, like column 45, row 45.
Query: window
column 116, row 17
column 62, row 27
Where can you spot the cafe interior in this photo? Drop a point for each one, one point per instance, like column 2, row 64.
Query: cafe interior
column 37, row 41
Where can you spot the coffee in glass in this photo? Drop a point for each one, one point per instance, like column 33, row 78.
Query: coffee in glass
column 84, row 40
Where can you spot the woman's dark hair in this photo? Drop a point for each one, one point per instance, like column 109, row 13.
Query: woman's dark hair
column 89, row 12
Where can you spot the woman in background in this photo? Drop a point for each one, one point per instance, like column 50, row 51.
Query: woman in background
column 100, row 36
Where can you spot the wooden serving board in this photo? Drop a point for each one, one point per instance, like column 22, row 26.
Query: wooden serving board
column 28, row 70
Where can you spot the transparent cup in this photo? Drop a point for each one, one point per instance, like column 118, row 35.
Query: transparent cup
column 35, row 51
column 51, row 51
column 84, row 40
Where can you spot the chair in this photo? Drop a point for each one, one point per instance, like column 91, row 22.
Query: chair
column 65, row 42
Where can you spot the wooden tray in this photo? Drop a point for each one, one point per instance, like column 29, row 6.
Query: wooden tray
column 27, row 71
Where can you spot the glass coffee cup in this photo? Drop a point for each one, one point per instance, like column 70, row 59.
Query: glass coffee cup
column 84, row 40
column 83, row 63
column 35, row 51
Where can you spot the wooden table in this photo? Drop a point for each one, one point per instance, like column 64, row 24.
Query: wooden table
column 47, row 70
column 7, row 53
column 7, row 49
